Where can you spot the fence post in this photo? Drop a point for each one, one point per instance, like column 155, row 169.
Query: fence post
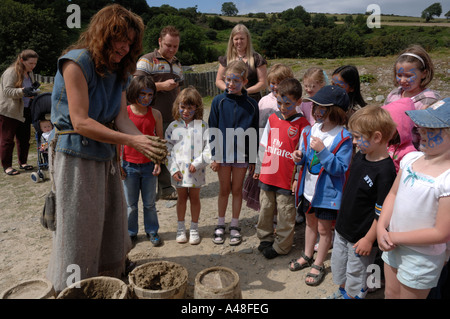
column 205, row 82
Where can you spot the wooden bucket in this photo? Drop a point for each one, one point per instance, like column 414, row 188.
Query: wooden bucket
column 101, row 287
column 30, row 289
column 159, row 280
column 217, row 283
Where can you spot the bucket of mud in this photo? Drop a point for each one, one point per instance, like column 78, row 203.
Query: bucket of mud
column 30, row 289
column 159, row 280
column 101, row 287
column 217, row 283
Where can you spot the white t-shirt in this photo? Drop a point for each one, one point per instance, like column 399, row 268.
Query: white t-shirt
column 416, row 204
column 327, row 139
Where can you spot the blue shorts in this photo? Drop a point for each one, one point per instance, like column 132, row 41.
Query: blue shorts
column 414, row 269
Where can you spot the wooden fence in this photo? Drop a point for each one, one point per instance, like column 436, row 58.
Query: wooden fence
column 204, row 82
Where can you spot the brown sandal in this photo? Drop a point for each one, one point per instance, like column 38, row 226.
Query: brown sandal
column 294, row 265
column 317, row 277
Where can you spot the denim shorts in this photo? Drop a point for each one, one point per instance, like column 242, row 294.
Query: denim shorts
column 414, row 269
column 321, row 213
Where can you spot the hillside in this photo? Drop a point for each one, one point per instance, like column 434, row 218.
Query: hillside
column 376, row 73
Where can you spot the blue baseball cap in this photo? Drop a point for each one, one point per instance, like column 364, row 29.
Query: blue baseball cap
column 436, row 115
column 331, row 95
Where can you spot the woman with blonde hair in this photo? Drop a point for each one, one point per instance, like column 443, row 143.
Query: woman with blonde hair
column 89, row 112
column 240, row 47
column 16, row 91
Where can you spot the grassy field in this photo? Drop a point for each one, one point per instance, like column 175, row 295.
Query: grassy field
column 388, row 19
column 376, row 73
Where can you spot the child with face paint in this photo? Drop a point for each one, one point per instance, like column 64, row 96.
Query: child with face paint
column 267, row 106
column 325, row 153
column 313, row 80
column 139, row 172
column 370, row 177
column 347, row 77
column 280, row 138
column 414, row 225
column 189, row 156
column 234, row 129
column 413, row 72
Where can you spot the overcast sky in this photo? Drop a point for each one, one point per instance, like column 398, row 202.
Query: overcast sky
column 398, row 7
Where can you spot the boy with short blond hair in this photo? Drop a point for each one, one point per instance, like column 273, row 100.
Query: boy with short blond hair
column 371, row 176
column 279, row 140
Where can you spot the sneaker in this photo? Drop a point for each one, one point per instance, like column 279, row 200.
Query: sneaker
column 339, row 294
column 154, row 239
column 362, row 294
column 181, row 236
column 194, row 237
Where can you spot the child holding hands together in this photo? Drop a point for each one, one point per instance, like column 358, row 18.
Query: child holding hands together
column 414, row 224
column 189, row 155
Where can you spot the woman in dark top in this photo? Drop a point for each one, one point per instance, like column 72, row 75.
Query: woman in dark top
column 240, row 48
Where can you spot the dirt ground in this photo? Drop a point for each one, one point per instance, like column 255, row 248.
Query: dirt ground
column 25, row 245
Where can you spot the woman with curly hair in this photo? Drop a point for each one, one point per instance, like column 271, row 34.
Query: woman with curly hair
column 90, row 116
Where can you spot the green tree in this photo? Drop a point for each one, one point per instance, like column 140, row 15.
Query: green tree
column 434, row 10
column 192, row 49
column 229, row 9
column 22, row 26
column 447, row 15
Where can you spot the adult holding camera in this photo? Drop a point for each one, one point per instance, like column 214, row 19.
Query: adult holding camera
column 240, row 47
column 166, row 70
column 16, row 92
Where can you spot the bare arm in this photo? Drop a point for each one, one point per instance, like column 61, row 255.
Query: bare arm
column 438, row 234
column 220, row 83
column 384, row 241
column 78, row 99
column 262, row 80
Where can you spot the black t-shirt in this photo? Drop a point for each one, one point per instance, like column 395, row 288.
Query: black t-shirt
column 367, row 186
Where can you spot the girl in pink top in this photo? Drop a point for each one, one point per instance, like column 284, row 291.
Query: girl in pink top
column 313, row 80
column 413, row 72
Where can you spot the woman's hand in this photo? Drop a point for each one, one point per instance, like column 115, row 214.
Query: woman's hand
column 152, row 147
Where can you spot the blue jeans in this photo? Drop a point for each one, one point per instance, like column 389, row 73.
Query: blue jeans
column 140, row 180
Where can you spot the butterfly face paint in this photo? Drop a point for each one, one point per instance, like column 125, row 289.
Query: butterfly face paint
column 319, row 113
column 145, row 97
column 187, row 112
column 408, row 76
column 286, row 106
column 339, row 81
column 234, row 83
column 273, row 86
column 362, row 143
column 430, row 138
